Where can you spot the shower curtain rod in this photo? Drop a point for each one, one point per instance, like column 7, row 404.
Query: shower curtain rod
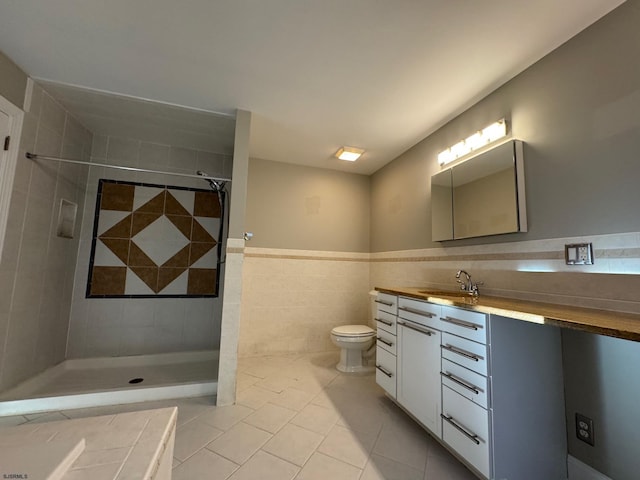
column 33, row 156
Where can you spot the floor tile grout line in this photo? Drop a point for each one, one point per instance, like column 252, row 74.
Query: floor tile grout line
column 233, row 461
column 320, row 390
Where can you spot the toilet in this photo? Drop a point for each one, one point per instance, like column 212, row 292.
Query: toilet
column 353, row 341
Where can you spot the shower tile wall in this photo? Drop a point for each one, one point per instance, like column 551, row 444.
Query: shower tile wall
column 291, row 299
column 124, row 326
column 153, row 240
column 37, row 268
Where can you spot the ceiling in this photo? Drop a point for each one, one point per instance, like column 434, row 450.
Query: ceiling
column 380, row 75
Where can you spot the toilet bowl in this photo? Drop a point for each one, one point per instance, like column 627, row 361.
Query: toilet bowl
column 353, row 340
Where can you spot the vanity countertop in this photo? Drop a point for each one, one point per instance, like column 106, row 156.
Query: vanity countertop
column 602, row 322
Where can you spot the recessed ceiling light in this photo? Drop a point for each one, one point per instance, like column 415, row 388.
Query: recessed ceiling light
column 351, row 154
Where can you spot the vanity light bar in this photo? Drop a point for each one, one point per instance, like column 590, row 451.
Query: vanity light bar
column 483, row 137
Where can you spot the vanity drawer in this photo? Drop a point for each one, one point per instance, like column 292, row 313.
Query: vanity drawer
column 423, row 313
column 464, row 323
column 386, row 321
column 465, row 427
column 464, row 352
column 467, row 383
column 387, row 341
column 387, row 303
column 386, row 371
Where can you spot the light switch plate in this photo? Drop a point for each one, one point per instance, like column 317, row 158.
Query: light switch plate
column 578, row 254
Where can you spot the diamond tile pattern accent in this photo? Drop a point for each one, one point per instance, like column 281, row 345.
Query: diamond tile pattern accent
column 156, row 233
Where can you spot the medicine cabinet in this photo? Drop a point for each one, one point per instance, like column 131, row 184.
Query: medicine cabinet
column 481, row 196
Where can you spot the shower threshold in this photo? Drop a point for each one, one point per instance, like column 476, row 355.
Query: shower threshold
column 93, row 382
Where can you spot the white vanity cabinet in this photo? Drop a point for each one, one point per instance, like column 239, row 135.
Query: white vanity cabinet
column 465, row 414
column 385, row 316
column 502, row 395
column 418, row 385
column 488, row 387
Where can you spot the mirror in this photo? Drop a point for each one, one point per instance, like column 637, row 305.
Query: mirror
column 481, row 196
column 442, row 206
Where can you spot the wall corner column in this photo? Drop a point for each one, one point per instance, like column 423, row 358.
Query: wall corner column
column 232, row 296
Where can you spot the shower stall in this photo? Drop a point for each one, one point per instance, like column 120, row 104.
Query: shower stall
column 143, row 230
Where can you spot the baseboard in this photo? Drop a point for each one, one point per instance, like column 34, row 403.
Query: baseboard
column 581, row 471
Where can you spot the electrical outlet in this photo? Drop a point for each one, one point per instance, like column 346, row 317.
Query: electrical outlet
column 584, row 254
column 584, row 429
column 578, row 254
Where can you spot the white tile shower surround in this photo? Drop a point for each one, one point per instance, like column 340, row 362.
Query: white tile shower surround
column 296, row 418
column 139, row 326
column 36, row 269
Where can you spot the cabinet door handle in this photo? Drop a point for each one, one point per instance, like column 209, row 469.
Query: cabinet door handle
column 388, row 304
column 416, row 328
column 388, row 324
column 470, row 436
column 380, row 339
column 417, row 312
column 464, row 353
column 461, row 382
column 387, row 373
column 461, row 323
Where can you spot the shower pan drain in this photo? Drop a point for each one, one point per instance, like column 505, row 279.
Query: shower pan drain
column 136, row 380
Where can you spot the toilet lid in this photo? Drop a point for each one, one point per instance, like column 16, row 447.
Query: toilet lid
column 353, row 331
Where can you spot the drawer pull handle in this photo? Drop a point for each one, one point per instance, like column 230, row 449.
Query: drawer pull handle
column 464, row 353
column 380, row 339
column 388, row 374
column 470, row 436
column 417, row 329
column 388, row 324
column 417, row 312
column 460, row 382
column 461, row 323
column 388, row 304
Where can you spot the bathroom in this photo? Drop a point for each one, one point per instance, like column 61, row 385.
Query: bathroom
column 323, row 239
column 581, row 135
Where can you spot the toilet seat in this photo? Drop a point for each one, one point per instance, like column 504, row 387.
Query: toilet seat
column 353, row 331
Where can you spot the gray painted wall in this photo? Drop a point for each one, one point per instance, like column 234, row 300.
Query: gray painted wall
column 577, row 112
column 238, row 188
column 602, row 382
column 305, row 208
column 13, row 81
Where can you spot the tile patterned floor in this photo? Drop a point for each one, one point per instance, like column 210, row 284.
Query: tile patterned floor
column 296, row 417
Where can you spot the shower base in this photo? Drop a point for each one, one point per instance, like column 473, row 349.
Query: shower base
column 93, row 382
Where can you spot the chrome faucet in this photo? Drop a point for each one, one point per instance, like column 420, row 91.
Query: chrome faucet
column 467, row 285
